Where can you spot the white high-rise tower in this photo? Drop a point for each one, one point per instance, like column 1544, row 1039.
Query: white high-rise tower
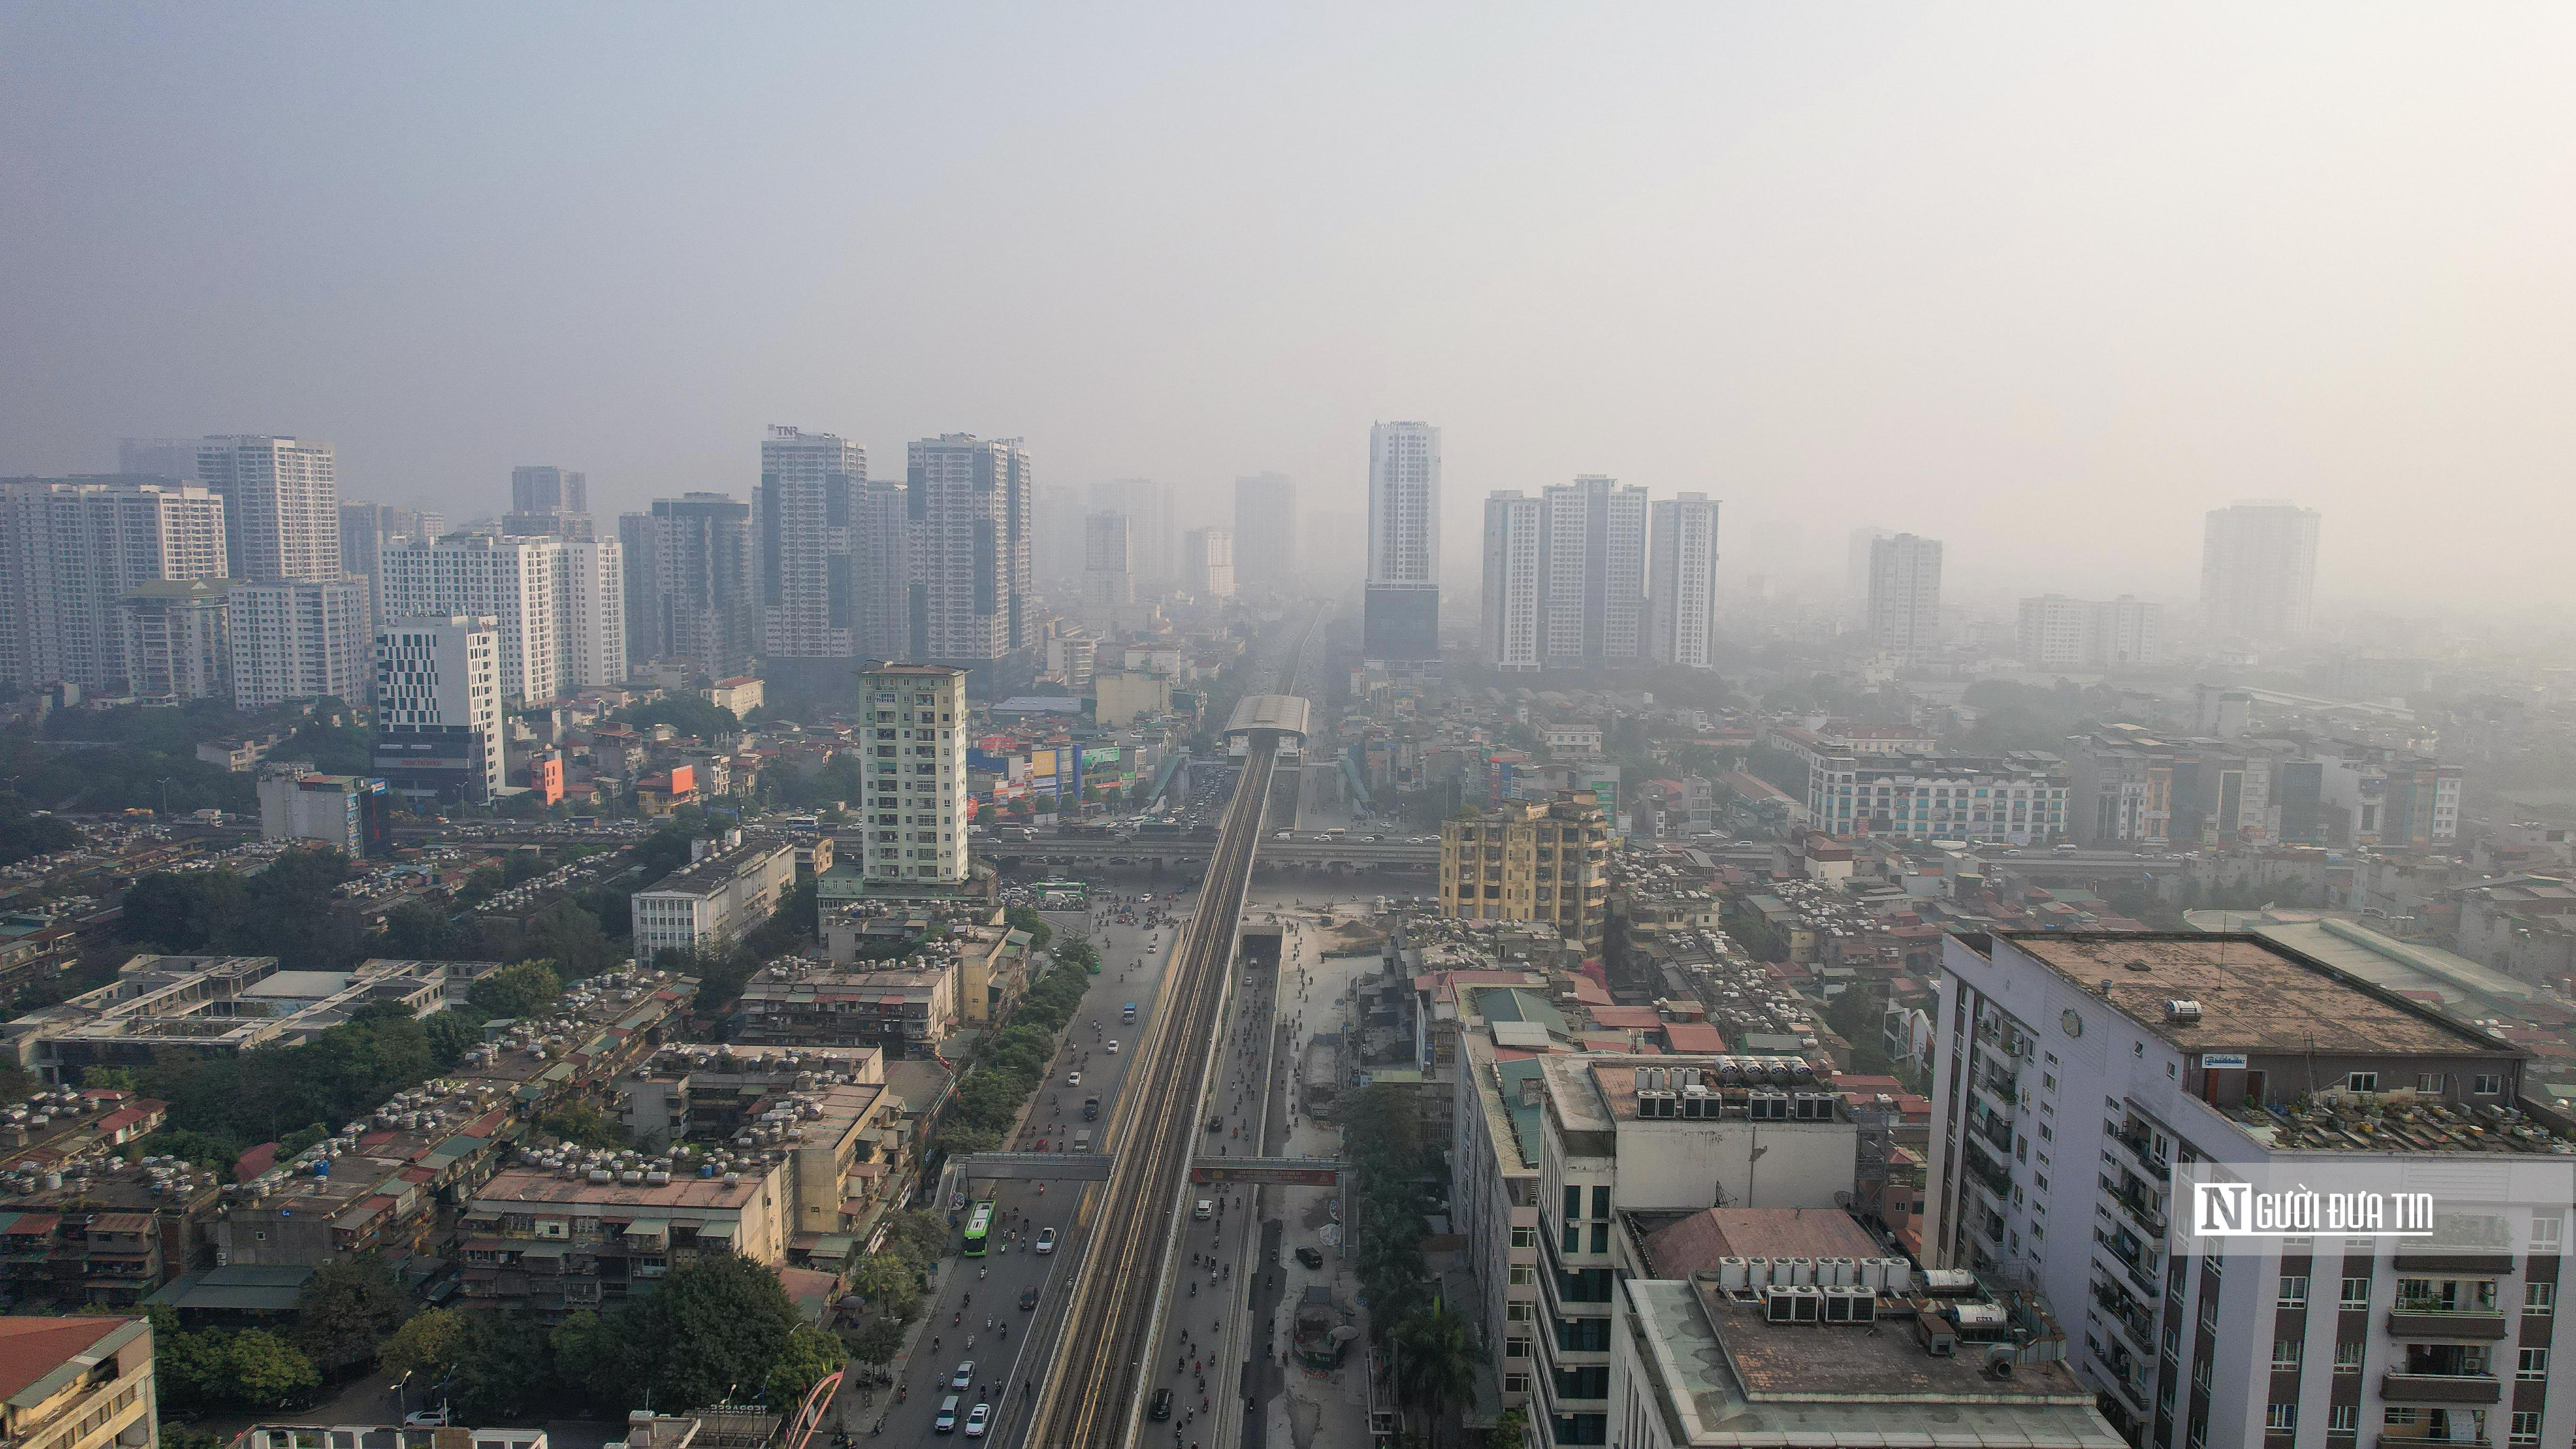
column 281, row 506
column 2258, row 569
column 1510, row 614
column 805, row 521
column 1905, row 593
column 1402, row 619
column 1681, row 586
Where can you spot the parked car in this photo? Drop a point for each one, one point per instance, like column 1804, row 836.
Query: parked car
column 426, row 1418
column 1310, row 1257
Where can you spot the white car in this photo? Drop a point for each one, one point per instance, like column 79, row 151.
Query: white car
column 1073, row 1079
column 1046, row 1240
column 1113, row 1048
column 975, row 1420
column 426, row 1418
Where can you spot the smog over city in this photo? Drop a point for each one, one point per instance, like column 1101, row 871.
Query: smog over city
column 682, row 686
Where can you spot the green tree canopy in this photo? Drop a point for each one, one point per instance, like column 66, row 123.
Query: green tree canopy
column 527, row 989
column 348, row 1307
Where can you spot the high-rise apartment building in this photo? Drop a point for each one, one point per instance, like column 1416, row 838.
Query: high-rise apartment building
column 1055, row 553
column 2087, row 1084
column 1905, row 594
column 2258, row 569
column 1401, row 603
column 694, row 563
column 2056, row 632
column 1681, row 582
column 365, row 528
column 1153, row 527
column 1509, row 631
column 913, row 810
column 72, row 549
column 299, row 639
column 158, row 458
column 547, row 489
column 1108, row 559
column 1592, row 566
column 438, row 706
column 643, row 626
column 971, row 504
column 178, row 640
column 559, row 605
column 1207, row 562
column 1265, row 521
column 1856, row 569
column 281, row 506
column 807, row 513
column 885, row 572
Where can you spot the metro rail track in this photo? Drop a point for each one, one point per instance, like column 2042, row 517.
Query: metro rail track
column 1092, row 1394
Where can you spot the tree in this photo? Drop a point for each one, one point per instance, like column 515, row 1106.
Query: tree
column 891, row 1281
column 1024, row 918
column 570, row 937
column 24, row 835
column 526, row 989
column 266, row 1371
column 809, row 1356
column 878, row 1343
column 1435, row 1362
column 418, row 931
column 347, row 1308
column 1510, row 1431
column 716, row 1325
column 428, row 1343
column 584, row 1125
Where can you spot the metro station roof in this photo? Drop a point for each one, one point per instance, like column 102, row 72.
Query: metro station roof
column 1284, row 713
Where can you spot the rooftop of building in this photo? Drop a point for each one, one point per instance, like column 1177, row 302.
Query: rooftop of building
column 693, row 1194
column 1724, row 1374
column 2251, row 994
column 922, row 671
column 36, row 1353
column 823, row 1065
column 703, row 877
column 1694, row 1242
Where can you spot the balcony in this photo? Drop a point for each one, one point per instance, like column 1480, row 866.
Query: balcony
column 2486, row 1264
column 2142, row 1206
column 1993, row 1175
column 2441, row 1388
column 2420, row 1323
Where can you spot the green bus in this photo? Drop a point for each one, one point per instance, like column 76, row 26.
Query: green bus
column 979, row 1225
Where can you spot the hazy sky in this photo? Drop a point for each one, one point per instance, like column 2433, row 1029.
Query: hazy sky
column 2046, row 283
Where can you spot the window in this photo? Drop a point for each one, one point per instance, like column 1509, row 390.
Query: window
column 1601, row 1237
column 1517, row 1312
column 2348, row 1356
column 1600, row 1205
column 1516, row 1348
column 2545, row 1230
column 2486, row 1084
column 1524, row 1274
column 1573, row 1203
column 2432, row 1083
column 1524, row 1237
column 2361, row 1082
column 2534, row 1365
column 2356, row 1293
column 2539, row 1298
column 2281, row 1417
column 2200, row 1375
column 2285, row 1353
column 2294, row 1290
column 2398, row 1418
column 1516, row 1383
column 2526, row 1427
column 2343, row 1419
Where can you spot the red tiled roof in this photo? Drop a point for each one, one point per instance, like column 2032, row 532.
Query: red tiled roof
column 1694, row 1036
column 1629, row 1018
column 31, row 1348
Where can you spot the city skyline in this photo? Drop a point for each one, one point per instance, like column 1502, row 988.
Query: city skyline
column 2162, row 172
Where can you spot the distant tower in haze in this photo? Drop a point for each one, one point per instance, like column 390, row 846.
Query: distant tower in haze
column 1681, row 582
column 804, row 519
column 1509, row 613
column 549, row 502
column 1592, row 565
column 1265, row 523
column 1207, row 562
column 1401, row 618
column 1108, row 559
column 281, row 506
column 1856, row 570
column 1153, row 539
column 972, row 507
column 2258, row 569
column 1905, row 594
column 158, row 458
